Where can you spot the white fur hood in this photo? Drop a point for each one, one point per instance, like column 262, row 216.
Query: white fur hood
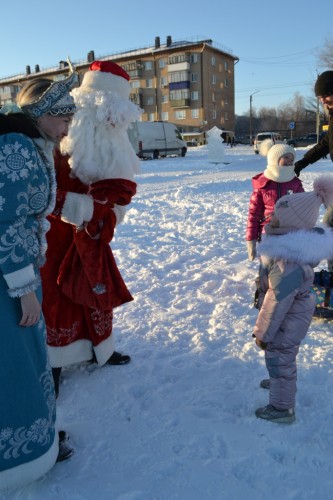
column 305, row 246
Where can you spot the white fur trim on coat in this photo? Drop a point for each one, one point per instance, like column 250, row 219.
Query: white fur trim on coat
column 26, row 473
column 77, row 209
column 305, row 246
column 20, row 278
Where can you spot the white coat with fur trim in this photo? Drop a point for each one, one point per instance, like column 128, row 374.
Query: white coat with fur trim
column 286, row 275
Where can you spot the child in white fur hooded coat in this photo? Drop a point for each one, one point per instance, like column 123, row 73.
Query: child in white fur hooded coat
column 292, row 247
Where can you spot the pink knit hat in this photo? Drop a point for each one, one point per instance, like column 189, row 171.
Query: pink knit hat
column 301, row 210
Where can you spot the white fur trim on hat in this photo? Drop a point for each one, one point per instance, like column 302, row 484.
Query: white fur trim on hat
column 106, row 82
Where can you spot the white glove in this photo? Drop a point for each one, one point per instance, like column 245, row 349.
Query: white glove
column 251, row 249
column 120, row 212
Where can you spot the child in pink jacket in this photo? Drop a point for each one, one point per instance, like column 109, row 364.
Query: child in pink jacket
column 277, row 180
column 292, row 247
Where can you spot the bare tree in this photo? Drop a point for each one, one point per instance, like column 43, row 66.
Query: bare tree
column 325, row 54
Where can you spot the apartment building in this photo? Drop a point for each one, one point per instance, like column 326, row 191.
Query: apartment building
column 188, row 83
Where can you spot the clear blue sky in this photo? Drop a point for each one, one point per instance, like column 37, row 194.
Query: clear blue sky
column 277, row 44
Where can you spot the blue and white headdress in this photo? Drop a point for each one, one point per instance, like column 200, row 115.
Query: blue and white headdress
column 55, row 101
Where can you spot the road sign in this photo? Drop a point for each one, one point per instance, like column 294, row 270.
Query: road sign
column 292, row 125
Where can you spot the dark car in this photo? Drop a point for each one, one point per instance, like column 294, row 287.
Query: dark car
column 305, row 140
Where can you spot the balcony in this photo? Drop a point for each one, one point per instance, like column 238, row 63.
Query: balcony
column 180, row 103
column 135, row 73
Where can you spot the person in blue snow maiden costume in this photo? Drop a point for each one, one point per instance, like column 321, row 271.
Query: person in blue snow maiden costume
column 29, row 441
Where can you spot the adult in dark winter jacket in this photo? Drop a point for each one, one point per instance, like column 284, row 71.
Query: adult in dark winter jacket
column 277, row 180
column 324, row 91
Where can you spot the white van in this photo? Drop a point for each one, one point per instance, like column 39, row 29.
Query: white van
column 156, row 139
column 274, row 136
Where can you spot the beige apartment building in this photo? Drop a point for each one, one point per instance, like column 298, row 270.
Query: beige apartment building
column 188, row 83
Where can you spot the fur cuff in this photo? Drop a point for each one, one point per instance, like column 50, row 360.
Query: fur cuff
column 20, row 278
column 77, row 209
column 120, row 213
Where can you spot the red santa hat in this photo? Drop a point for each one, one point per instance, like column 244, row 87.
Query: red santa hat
column 106, row 76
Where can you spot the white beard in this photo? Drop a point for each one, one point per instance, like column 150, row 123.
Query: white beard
column 97, row 143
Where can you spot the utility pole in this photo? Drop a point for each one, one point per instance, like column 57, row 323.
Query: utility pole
column 318, row 120
column 256, row 92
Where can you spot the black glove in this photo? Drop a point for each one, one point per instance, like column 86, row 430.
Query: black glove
column 260, row 343
column 299, row 165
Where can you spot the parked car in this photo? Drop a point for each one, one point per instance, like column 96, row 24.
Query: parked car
column 243, row 140
column 305, row 140
column 262, row 136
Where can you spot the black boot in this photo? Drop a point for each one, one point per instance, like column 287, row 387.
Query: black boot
column 56, row 379
column 118, row 359
column 65, row 451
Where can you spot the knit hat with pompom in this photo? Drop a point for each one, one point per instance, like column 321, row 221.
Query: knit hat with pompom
column 274, row 151
column 301, row 210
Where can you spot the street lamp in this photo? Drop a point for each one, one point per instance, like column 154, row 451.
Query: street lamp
column 256, row 92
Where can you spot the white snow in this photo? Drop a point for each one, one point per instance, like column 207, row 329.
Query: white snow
column 178, row 421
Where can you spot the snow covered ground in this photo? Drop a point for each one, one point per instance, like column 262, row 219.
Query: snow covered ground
column 178, row 421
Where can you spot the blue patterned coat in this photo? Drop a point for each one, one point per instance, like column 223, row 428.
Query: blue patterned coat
column 28, row 441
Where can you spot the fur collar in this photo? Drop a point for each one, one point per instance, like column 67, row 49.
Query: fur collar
column 18, row 123
column 303, row 246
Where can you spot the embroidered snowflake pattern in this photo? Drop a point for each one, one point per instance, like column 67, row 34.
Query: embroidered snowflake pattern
column 99, row 289
column 62, row 336
column 24, row 236
column 16, row 161
column 102, row 321
column 17, row 442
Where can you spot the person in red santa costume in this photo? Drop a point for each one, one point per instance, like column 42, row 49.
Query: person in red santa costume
column 95, row 172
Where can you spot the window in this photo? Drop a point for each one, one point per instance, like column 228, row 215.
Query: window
column 135, row 84
column 226, row 65
column 151, row 117
column 177, row 95
column 150, row 101
column 213, row 97
column 226, row 116
column 214, row 114
column 180, row 115
column 194, row 113
column 165, row 98
column 213, row 61
column 162, row 63
column 178, row 59
column 149, row 83
column 148, row 65
column 178, row 76
column 194, row 77
column 165, row 116
column 194, row 58
column 163, row 81
column 226, row 82
column 194, row 95
column 214, row 79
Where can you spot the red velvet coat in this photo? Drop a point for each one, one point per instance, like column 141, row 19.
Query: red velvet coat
column 81, row 280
